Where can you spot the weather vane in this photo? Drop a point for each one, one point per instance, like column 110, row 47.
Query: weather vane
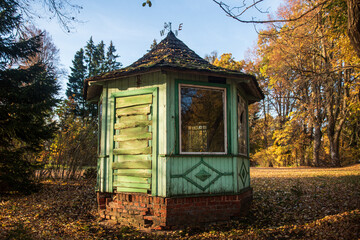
column 167, row 27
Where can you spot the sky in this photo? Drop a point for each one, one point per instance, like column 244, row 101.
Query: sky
column 132, row 28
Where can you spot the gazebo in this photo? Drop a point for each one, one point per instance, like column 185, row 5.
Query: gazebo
column 173, row 139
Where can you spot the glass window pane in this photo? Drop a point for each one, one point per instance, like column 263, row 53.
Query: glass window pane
column 202, row 119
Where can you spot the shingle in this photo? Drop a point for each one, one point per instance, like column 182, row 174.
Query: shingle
column 170, row 52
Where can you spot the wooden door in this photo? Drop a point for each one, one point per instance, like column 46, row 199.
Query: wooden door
column 133, row 143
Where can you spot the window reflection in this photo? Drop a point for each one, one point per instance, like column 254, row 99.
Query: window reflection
column 202, row 119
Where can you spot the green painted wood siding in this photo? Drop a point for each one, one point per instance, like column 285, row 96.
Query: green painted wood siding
column 169, row 172
column 196, row 175
column 243, row 172
column 191, row 175
column 102, row 163
column 215, row 174
column 148, row 84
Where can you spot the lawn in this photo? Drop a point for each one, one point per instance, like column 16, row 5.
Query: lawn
column 289, row 203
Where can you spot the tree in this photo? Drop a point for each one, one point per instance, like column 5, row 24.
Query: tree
column 89, row 62
column 111, row 63
column 153, row 45
column 73, row 146
column 228, row 61
column 76, row 80
column 353, row 24
column 90, row 54
column 311, row 72
column 47, row 53
column 99, row 59
column 27, row 95
column 349, row 8
column 64, row 11
column 211, row 57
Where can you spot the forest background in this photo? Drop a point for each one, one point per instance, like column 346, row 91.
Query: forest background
column 304, row 61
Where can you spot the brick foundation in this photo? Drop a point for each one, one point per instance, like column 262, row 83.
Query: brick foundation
column 146, row 211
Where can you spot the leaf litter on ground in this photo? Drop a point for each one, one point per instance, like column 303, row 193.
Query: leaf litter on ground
column 289, row 203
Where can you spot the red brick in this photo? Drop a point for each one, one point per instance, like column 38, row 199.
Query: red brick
column 133, row 209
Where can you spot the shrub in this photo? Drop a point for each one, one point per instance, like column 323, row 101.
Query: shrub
column 90, row 173
column 74, row 145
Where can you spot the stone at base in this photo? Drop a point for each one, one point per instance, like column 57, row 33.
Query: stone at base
column 159, row 213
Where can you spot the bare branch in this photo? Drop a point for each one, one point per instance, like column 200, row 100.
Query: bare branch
column 64, row 11
column 229, row 12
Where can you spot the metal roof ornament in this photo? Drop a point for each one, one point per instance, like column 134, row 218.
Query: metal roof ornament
column 167, row 28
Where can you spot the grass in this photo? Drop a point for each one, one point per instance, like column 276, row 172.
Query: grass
column 289, row 203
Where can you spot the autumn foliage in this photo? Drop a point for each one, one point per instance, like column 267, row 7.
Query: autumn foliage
column 309, row 73
column 73, row 147
column 289, row 203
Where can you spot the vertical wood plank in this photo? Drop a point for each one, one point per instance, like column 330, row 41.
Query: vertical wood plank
column 154, row 142
column 153, row 127
column 104, row 148
column 107, row 141
column 234, row 142
column 111, row 138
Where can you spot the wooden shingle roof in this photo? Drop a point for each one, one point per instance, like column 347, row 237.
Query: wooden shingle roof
column 170, row 54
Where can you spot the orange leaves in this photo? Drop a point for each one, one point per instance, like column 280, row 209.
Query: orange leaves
column 311, row 76
column 289, row 203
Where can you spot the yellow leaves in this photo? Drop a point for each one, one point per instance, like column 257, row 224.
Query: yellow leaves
column 226, row 60
column 289, row 203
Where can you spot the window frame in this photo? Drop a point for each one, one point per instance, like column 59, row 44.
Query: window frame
column 246, row 130
column 225, row 113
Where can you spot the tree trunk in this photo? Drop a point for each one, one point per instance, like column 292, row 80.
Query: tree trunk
column 307, row 157
column 317, row 144
column 334, row 149
column 353, row 13
column 303, row 148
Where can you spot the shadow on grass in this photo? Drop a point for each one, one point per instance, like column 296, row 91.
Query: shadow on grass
column 19, row 232
column 280, row 201
column 313, row 207
column 320, row 206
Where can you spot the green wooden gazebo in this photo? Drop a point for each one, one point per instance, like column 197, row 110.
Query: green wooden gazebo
column 173, row 141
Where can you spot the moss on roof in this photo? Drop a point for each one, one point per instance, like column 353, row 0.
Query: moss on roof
column 170, row 52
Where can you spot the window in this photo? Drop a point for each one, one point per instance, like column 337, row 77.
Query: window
column 242, row 125
column 202, row 119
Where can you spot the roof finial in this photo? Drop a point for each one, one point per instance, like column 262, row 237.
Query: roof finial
column 167, row 27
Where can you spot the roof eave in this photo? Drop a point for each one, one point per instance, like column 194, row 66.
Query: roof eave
column 240, row 78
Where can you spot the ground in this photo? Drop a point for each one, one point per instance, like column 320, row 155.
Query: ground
column 289, row 203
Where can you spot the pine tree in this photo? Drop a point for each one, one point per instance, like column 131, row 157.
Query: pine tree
column 100, row 58
column 153, row 45
column 111, row 63
column 90, row 51
column 92, row 62
column 27, row 95
column 76, row 80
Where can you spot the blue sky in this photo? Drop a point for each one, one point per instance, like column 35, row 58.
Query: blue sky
column 132, row 28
